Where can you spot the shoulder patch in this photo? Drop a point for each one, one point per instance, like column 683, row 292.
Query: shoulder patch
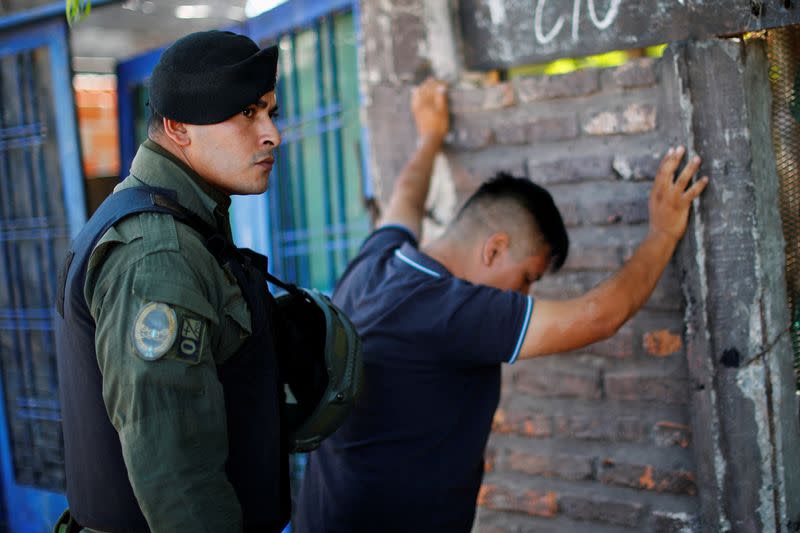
column 190, row 340
column 154, row 330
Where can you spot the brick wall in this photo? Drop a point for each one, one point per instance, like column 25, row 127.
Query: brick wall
column 598, row 440
column 96, row 101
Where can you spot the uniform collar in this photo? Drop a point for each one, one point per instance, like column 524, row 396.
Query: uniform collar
column 155, row 166
column 412, row 257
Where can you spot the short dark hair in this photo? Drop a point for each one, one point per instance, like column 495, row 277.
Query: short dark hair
column 155, row 122
column 535, row 200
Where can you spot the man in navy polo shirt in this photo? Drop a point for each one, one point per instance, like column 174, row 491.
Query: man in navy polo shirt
column 438, row 321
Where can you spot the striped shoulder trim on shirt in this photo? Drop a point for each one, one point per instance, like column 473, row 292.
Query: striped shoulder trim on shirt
column 400, row 255
column 527, row 321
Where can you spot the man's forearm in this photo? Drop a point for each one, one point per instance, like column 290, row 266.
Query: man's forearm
column 627, row 291
column 412, row 185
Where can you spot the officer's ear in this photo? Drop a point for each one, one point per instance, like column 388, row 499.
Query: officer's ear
column 176, row 131
column 494, row 247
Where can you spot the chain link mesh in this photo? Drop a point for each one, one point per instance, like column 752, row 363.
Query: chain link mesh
column 783, row 45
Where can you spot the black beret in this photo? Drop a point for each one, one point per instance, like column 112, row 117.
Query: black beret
column 209, row 76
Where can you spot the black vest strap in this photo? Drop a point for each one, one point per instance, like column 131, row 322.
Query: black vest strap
column 117, row 206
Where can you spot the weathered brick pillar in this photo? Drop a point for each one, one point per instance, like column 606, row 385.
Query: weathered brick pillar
column 743, row 403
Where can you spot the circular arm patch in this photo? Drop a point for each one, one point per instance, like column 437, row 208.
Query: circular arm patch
column 154, row 330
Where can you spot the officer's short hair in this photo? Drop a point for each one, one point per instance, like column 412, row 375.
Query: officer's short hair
column 155, row 123
column 533, row 199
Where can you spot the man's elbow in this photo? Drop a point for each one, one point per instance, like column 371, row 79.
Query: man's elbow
column 606, row 320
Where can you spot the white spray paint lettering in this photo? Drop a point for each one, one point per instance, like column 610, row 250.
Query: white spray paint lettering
column 601, row 23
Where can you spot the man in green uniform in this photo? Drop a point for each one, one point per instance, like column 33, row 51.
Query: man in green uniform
column 171, row 414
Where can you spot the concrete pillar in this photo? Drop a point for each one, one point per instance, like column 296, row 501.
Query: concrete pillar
column 744, row 405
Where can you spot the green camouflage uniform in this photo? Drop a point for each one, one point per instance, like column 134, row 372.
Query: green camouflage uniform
column 169, row 412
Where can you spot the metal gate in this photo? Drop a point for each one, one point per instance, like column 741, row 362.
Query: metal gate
column 783, row 48
column 41, row 207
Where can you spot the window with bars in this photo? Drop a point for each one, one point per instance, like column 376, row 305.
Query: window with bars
column 33, row 239
column 318, row 217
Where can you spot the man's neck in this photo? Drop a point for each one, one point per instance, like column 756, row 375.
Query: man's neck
column 167, row 148
column 449, row 253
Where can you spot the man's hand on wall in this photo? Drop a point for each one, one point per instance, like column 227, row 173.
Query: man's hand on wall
column 430, row 109
column 670, row 199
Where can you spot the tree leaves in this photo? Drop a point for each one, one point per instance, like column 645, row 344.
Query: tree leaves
column 75, row 10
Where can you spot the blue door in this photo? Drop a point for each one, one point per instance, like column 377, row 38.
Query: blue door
column 41, row 207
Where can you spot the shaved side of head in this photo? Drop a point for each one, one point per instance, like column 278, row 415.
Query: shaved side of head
column 521, row 209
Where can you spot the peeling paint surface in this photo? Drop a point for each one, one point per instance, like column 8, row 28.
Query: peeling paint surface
column 720, row 465
column 750, row 381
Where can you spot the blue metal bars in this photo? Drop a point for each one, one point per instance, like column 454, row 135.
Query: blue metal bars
column 318, row 216
column 33, row 234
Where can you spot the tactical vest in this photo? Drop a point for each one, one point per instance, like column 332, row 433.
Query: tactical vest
column 98, row 491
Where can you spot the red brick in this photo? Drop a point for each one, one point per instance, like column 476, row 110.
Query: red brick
column 635, row 73
column 599, row 257
column 567, row 284
column 666, row 433
column 602, row 248
column 667, row 295
column 549, row 129
column 536, row 129
column 539, row 503
column 636, row 166
column 570, row 170
column 602, row 203
column 574, row 468
column 662, row 342
column 475, row 170
column 594, row 427
column 489, row 459
column 647, row 477
column 564, row 382
column 601, row 510
column 523, row 423
column 634, row 118
column 620, row 345
column 511, row 133
column 578, row 83
column 471, row 135
column 632, row 386
column 532, row 502
column 465, row 100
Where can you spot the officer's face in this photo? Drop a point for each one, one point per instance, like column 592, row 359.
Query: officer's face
column 237, row 155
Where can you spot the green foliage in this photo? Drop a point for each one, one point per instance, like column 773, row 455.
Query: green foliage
column 75, row 10
column 568, row 64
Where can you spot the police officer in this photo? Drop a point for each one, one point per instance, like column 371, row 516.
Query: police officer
column 168, row 375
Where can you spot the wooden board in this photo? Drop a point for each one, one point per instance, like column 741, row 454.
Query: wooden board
column 505, row 33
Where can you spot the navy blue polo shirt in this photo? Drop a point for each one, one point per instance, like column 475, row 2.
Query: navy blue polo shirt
column 410, row 456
